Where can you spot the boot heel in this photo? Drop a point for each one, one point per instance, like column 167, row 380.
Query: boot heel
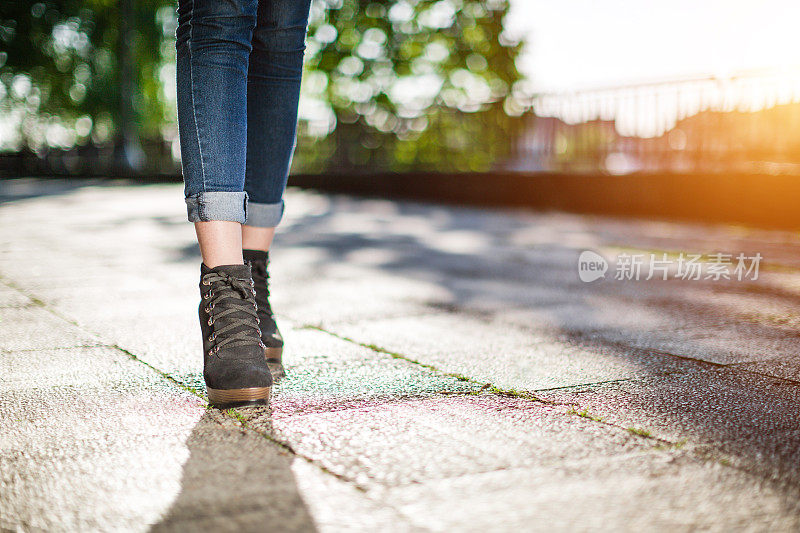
column 222, row 399
column 274, row 363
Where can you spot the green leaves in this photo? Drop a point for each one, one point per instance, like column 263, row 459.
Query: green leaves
column 67, row 51
column 389, row 84
column 419, row 84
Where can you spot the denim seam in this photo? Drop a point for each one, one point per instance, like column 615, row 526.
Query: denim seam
column 194, row 107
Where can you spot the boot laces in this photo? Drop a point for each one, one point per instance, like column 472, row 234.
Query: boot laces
column 232, row 311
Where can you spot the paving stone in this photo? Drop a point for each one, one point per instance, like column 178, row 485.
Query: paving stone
column 235, row 481
column 33, row 328
column 744, row 419
column 67, row 367
column 77, row 456
column 124, row 449
column 329, row 374
column 481, row 462
column 784, row 366
column 337, row 506
column 324, row 294
column 663, row 493
column 414, row 440
column 503, row 354
column 12, row 298
column 489, row 294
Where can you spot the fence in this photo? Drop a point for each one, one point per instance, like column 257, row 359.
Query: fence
column 748, row 122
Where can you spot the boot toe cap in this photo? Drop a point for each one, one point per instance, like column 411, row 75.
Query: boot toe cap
column 238, row 374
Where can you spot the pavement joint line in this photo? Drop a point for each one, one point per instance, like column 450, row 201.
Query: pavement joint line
column 485, row 388
column 37, row 302
column 702, row 452
column 230, row 413
column 497, row 391
column 661, row 444
column 589, row 342
column 646, row 351
column 702, row 362
column 589, row 384
column 735, row 366
column 236, row 414
column 53, row 348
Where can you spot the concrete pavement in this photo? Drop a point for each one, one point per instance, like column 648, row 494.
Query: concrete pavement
column 447, row 371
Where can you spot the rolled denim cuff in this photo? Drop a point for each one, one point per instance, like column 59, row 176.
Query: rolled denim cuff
column 264, row 215
column 217, row 205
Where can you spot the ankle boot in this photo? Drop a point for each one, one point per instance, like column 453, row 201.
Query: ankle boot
column 270, row 336
column 234, row 367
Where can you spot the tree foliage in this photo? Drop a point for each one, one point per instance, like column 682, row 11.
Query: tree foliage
column 389, row 84
column 59, row 68
column 410, row 84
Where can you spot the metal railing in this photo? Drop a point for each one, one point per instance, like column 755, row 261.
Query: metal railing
column 748, row 122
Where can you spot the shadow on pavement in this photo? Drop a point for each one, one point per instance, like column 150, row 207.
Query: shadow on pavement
column 236, row 480
column 15, row 190
column 519, row 272
column 703, row 393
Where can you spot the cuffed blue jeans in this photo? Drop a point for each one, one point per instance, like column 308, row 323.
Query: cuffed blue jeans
column 239, row 67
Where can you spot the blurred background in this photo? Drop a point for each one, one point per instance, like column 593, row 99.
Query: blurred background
column 449, row 368
column 459, row 86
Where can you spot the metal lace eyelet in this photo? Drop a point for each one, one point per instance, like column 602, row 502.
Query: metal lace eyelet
column 205, row 282
column 210, row 322
column 205, row 296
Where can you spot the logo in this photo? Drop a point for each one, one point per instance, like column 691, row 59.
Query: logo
column 591, row 266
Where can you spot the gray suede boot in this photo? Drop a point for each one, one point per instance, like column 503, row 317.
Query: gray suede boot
column 270, row 336
column 234, row 369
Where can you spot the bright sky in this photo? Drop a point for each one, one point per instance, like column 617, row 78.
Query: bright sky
column 589, row 43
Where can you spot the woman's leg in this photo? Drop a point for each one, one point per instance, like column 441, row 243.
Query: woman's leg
column 255, row 238
column 220, row 242
column 213, row 47
column 273, row 90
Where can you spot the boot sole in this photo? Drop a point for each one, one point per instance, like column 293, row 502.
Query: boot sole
column 274, row 363
column 223, row 399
